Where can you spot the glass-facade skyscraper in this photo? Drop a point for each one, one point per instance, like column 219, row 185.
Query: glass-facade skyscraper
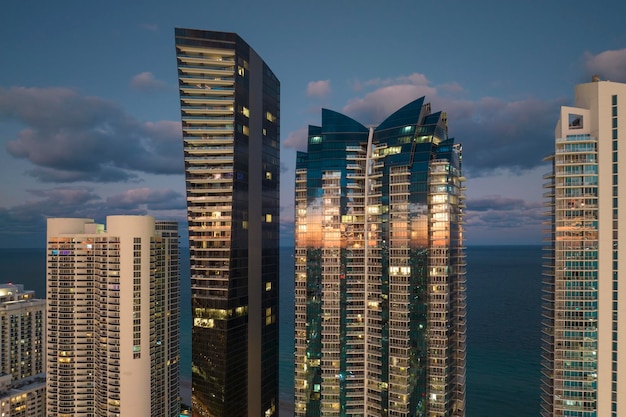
column 583, row 366
column 380, row 268
column 230, row 107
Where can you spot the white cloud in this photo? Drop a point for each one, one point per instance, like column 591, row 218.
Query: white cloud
column 147, row 83
column 297, row 139
column 609, row 65
column 319, row 89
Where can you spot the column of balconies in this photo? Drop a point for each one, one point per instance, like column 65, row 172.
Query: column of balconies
column 399, row 291
column 358, row 364
column 331, row 292
column 571, row 316
column 373, row 190
column 207, row 85
column 302, row 387
column 441, row 366
column 458, row 294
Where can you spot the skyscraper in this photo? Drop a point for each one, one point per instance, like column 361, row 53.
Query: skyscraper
column 380, row 269
column 113, row 311
column 22, row 344
column 584, row 358
column 230, row 107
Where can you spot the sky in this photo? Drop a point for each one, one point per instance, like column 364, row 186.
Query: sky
column 90, row 118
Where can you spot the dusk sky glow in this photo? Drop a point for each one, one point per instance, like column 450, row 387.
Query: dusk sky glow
column 90, row 118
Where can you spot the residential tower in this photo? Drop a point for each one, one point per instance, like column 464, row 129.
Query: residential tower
column 584, row 360
column 112, row 317
column 230, row 109
column 380, row 268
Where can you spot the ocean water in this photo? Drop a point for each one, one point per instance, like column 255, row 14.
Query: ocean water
column 504, row 314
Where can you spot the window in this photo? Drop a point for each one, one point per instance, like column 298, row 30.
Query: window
column 575, row 121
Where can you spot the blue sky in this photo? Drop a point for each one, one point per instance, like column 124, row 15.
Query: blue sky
column 89, row 111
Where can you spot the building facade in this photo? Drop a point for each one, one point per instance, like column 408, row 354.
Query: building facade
column 380, row 268
column 113, row 311
column 22, row 359
column 582, row 361
column 230, row 109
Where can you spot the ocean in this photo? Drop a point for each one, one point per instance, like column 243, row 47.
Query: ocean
column 504, row 315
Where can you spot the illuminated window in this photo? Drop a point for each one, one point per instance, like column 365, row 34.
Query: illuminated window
column 269, row 116
column 245, row 111
column 268, row 218
column 241, row 71
column 315, row 139
column 268, row 286
column 392, row 150
column 246, row 131
column 268, row 175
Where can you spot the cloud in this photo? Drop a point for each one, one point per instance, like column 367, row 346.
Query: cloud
column 609, row 65
column 145, row 82
column 29, row 217
column 150, row 198
column 504, row 219
column 69, row 137
column 500, row 203
column 374, row 107
column 319, row 89
column 26, row 222
column 502, row 135
column 412, row 79
column 104, row 174
column 297, row 139
column 496, row 134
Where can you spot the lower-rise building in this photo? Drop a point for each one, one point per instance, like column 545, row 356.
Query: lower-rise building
column 22, row 363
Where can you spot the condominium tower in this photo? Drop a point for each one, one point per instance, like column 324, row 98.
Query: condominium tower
column 22, row 358
column 584, row 354
column 379, row 268
column 113, row 317
column 229, row 101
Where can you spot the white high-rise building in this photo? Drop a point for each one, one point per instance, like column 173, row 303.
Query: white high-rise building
column 584, row 359
column 112, row 317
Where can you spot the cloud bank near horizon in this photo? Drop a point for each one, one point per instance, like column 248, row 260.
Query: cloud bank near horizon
column 28, row 219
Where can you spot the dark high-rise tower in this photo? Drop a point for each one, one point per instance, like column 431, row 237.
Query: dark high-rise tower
column 230, row 106
column 380, row 269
